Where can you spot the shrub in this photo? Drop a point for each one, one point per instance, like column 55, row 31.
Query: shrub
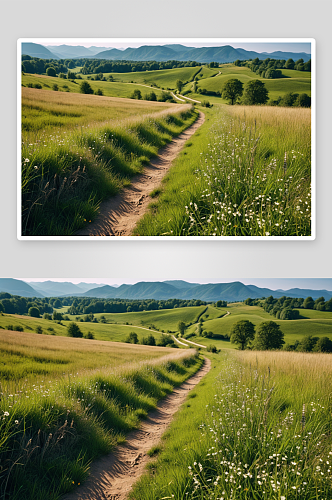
column 34, row 312
column 39, row 329
column 149, row 340
column 132, row 338
column 211, row 348
column 89, row 335
column 51, row 71
column 73, row 330
column 136, row 94
column 55, row 86
column 85, row 87
column 99, row 92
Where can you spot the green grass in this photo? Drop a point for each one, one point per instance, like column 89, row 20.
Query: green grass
column 257, row 429
column 53, row 427
column 165, row 78
column 232, row 181
column 49, row 111
column 317, row 324
column 66, row 175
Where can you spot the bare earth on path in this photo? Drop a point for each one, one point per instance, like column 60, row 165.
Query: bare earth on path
column 119, row 215
column 112, row 477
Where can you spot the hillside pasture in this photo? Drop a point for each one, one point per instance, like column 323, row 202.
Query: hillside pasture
column 317, row 324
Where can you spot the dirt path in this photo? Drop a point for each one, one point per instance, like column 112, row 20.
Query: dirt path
column 112, row 477
column 119, row 215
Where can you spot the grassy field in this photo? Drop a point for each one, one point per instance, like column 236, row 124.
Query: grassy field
column 257, row 427
column 245, row 172
column 317, row 323
column 48, row 111
column 68, row 401
column 294, row 81
column 66, row 173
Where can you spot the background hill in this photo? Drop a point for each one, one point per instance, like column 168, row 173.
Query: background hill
column 177, row 289
column 178, row 52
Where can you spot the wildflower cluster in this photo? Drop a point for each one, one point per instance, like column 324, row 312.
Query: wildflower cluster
column 248, row 189
column 258, row 449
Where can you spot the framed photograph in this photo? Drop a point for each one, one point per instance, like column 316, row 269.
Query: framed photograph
column 166, row 138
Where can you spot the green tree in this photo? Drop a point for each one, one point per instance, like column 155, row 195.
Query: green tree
column 255, row 92
column 39, row 329
column 289, row 64
column 324, row 344
column 132, row 338
column 232, row 89
column 149, row 340
column 307, row 343
column 289, row 313
column 136, row 94
column 51, row 71
column 34, row 312
column 181, row 327
column 242, row 333
column 73, row 330
column 303, row 101
column 99, row 92
column 288, row 99
column 308, row 303
column 179, row 85
column 85, row 87
column 268, row 336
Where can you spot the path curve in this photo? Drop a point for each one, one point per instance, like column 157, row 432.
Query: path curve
column 119, row 215
column 112, row 477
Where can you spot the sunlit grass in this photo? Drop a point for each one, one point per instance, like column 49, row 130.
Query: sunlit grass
column 247, row 173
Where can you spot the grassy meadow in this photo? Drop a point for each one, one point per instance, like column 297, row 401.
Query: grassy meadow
column 66, row 401
column 68, row 169
column 257, row 427
column 245, row 172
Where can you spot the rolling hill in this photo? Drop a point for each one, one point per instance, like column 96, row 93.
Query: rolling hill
column 178, row 52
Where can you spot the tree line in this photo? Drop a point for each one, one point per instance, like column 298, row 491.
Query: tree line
column 287, row 307
column 36, row 65
column 13, row 304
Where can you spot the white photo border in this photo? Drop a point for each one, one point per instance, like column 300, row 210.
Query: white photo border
column 69, row 40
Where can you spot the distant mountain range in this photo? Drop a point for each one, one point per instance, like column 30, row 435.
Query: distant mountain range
column 159, row 290
column 178, row 52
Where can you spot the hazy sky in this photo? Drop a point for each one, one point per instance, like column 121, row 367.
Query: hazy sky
column 272, row 283
column 256, row 46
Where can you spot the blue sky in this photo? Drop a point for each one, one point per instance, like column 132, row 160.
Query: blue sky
column 272, row 283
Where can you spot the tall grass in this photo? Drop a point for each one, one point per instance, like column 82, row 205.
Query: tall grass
column 250, row 175
column 263, row 433
column 52, row 430
column 65, row 175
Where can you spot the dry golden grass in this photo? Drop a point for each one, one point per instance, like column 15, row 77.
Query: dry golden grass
column 273, row 116
column 48, row 109
column 29, row 353
column 309, row 366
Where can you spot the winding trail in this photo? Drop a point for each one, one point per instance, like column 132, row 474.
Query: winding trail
column 119, row 215
column 112, row 477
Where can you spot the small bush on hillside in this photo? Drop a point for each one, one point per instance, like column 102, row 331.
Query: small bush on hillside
column 136, row 94
column 73, row 330
column 89, row 335
column 55, row 86
column 39, row 329
column 10, row 327
column 85, row 87
column 165, row 340
column 132, row 338
column 47, row 316
column 51, row 71
column 211, row 348
column 34, row 312
column 149, row 340
column 99, row 92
